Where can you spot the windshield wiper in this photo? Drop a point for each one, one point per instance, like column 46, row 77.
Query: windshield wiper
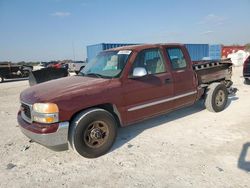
column 80, row 74
column 95, row 74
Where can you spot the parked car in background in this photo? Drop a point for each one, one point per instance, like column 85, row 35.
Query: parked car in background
column 246, row 70
column 44, row 64
column 60, row 65
column 118, row 88
column 76, row 66
column 51, row 63
column 10, row 71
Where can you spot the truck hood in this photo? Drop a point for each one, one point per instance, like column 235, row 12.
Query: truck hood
column 65, row 88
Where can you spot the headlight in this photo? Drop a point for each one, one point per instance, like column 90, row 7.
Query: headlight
column 45, row 108
column 45, row 112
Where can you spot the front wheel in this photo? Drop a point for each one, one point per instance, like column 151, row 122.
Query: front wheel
column 216, row 97
column 93, row 132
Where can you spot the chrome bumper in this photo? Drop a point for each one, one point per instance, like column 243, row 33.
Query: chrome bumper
column 57, row 141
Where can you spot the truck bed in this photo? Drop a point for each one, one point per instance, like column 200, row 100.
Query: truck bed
column 209, row 71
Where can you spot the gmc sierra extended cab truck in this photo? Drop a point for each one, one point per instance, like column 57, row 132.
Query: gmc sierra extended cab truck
column 119, row 87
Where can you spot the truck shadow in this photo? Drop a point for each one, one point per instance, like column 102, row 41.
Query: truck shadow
column 231, row 98
column 242, row 162
column 128, row 133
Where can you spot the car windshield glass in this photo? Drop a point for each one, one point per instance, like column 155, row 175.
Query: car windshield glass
column 107, row 64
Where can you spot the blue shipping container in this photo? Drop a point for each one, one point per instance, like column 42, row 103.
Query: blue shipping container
column 94, row 50
column 215, row 51
column 198, row 51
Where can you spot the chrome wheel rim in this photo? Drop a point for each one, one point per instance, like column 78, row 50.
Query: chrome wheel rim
column 220, row 98
column 96, row 134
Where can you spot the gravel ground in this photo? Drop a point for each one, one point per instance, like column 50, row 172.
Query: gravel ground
column 187, row 148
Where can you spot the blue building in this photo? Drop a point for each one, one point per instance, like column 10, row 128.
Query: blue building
column 197, row 51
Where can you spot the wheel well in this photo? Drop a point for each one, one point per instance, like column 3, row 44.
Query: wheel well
column 227, row 83
column 109, row 107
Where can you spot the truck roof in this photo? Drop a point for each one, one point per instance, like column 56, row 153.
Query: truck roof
column 145, row 46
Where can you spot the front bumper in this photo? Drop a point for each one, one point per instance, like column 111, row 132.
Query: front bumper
column 57, row 140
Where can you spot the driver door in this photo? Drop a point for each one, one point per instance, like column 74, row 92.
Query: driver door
column 151, row 94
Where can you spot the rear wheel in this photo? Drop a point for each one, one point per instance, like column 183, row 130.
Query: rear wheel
column 216, row 97
column 93, row 132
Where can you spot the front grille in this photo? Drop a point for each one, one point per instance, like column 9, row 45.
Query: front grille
column 26, row 110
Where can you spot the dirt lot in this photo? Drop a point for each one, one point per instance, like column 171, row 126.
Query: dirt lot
column 188, row 148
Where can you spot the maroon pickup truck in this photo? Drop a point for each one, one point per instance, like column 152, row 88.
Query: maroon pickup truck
column 119, row 87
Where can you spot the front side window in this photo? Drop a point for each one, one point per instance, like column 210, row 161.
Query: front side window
column 151, row 60
column 177, row 58
column 107, row 64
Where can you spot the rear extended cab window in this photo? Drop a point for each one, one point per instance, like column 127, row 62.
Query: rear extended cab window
column 176, row 58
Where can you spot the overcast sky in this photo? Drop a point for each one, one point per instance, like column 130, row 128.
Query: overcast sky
column 43, row 30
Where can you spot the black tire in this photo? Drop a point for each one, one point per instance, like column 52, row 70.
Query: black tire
column 216, row 97
column 1, row 79
column 80, row 134
column 25, row 73
column 247, row 81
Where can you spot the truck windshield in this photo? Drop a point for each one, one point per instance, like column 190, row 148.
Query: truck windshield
column 107, row 64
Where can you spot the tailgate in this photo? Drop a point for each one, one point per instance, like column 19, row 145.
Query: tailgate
column 211, row 71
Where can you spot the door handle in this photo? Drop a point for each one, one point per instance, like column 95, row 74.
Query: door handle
column 168, row 80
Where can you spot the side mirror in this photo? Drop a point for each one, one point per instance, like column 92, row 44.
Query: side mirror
column 139, row 72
